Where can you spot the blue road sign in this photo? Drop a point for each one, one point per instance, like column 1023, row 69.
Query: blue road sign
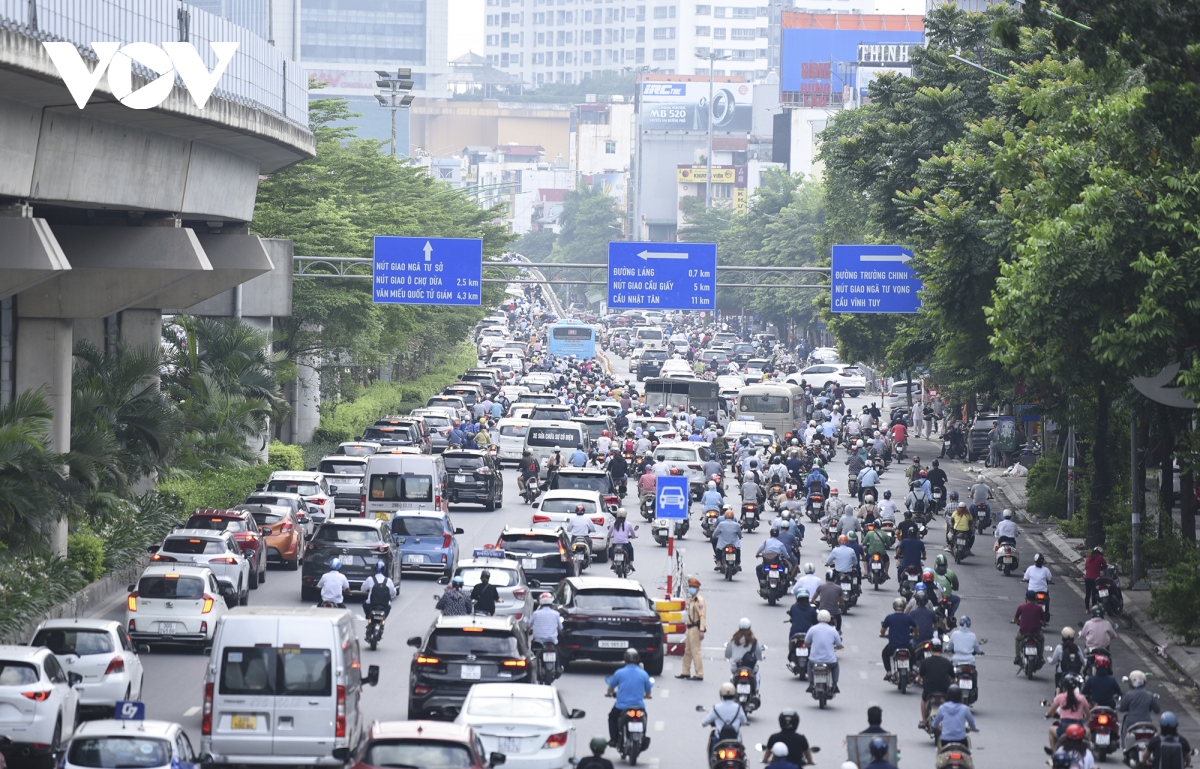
column 873, row 279
column 662, row 276
column 672, row 494
column 427, row 270
column 130, row 710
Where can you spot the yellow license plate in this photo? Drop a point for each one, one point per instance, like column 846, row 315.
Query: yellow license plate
column 383, row 516
column 244, row 722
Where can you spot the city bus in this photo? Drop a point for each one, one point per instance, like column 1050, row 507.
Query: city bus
column 571, row 337
column 778, row 407
column 689, row 392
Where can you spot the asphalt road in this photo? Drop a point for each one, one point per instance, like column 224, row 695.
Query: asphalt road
column 1009, row 712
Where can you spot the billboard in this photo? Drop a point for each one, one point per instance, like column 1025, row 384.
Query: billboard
column 812, row 54
column 683, row 106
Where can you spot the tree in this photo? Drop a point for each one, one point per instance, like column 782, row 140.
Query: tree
column 535, row 245
column 590, row 219
column 32, row 483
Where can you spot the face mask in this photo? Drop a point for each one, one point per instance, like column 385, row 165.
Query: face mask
column 693, row 590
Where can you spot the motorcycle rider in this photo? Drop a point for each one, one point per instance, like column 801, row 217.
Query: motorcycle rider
column 802, row 614
column 937, row 479
column 333, row 585
column 1029, row 623
column 877, row 542
column 1006, row 530
column 869, row 511
column 1138, row 704
column 809, row 581
column 485, row 595
column 935, row 675
column 791, row 504
column 961, row 523
column 743, row 650
column 1093, row 568
column 1102, row 689
column 1097, row 632
column 597, row 760
column 843, row 558
column 823, row 641
column 623, row 534
column 879, row 756
column 772, row 545
column 910, row 551
column 1068, row 658
column 925, row 617
column 828, row 597
column 631, row 686
column 545, row 622
column 963, row 644
column 726, row 718
column 529, row 470
column 979, row 495
column 907, row 527
column 953, row 719
column 380, row 591
column 887, row 506
column 618, row 469
column 867, row 480
column 910, row 472
column 1168, row 750
column 712, row 499
column 454, row 602
column 790, row 737
column 580, row 525
column 899, row 628
column 1040, row 579
column 836, row 504
column 1070, row 706
column 789, row 539
column 947, row 580
column 848, row 522
column 727, row 532
column 647, row 482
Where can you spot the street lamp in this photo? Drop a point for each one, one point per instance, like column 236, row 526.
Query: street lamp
column 712, row 57
column 393, row 94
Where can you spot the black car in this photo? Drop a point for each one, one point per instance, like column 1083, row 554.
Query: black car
column 651, row 363
column 977, row 441
column 741, row 353
column 460, row 651
column 360, row 544
column 474, row 477
column 545, row 554
column 604, row 616
column 587, row 479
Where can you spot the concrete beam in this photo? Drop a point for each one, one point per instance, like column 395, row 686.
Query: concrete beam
column 114, row 268
column 29, row 254
column 235, row 259
column 268, row 295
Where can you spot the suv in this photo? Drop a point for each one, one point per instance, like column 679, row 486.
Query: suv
column 545, row 554
column 310, row 485
column 411, row 743
column 474, row 476
column 604, row 616
column 546, row 412
column 245, row 531
column 688, row 458
column 282, row 532
column 440, row 422
column 38, row 705
column 741, row 353
column 977, row 437
column 359, row 543
column 594, row 479
column 462, row 650
column 344, row 473
column 650, row 364
column 214, row 550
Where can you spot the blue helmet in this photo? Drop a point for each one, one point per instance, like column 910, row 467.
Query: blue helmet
column 964, row 622
column 380, row 566
column 336, row 564
column 1169, row 722
column 920, row 588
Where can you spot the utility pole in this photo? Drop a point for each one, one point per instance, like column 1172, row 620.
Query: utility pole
column 394, row 94
column 712, row 58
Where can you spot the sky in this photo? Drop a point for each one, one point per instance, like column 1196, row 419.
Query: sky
column 466, row 27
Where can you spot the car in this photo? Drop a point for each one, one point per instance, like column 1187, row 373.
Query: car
column 664, row 428
column 283, row 533
column 540, row 399
column 513, row 392
column 308, row 517
column 460, row 651
column 360, row 543
column 175, row 603
column 528, row 723
column 850, row 378
column 594, row 479
column 510, row 439
column 717, row 356
column 393, row 431
column 422, row 744
column 38, row 704
column 977, row 436
column 635, row 358
column 546, row 412
column 739, row 427
column 604, row 616
column 521, row 410
column 357, row 448
column 596, row 425
column 148, row 745
column 679, row 340
column 425, row 541
column 676, row 367
column 741, row 353
column 102, row 653
column 344, row 475
column 507, row 576
column 823, row 355
column 688, row 458
column 607, row 408
column 470, row 392
column 730, row 382
column 452, row 402
column 544, row 554
column 754, row 369
column 536, row 381
column 216, row 550
column 650, row 363
column 244, row 529
column 474, row 476
column 440, row 422
column 309, row 484
column 556, row 508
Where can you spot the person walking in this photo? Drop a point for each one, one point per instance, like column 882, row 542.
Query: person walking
column 697, row 625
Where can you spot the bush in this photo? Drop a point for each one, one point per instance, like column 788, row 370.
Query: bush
column 31, row 586
column 85, row 552
column 141, row 522
column 1041, row 498
column 281, row 456
column 1176, row 602
column 216, row 489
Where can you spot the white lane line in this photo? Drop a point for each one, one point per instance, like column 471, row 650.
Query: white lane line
column 191, row 711
column 660, row 725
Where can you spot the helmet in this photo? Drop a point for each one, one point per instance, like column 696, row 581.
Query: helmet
column 922, row 474
column 853, row 536
column 1168, row 722
column 812, row 423
column 744, row 623
column 621, row 512
column 785, row 523
column 898, row 604
column 527, row 453
column 869, row 499
column 1007, row 514
column 1068, row 634
column 545, row 599
column 1039, row 559
column 779, row 750
column 887, row 493
column 940, row 560
column 754, row 463
column 580, row 509
column 712, row 485
column 632, row 657
column 789, row 719
column 981, row 477
column 962, row 505
column 380, row 566
column 1100, row 550
column 908, row 514
column 809, row 568
column 801, row 594
column 927, row 576
column 598, row 745
column 920, row 596
column 954, row 693
column 858, row 443
column 795, row 442
column 964, row 622
column 1137, row 679
column 833, row 492
column 878, row 748
column 824, row 616
column 817, row 462
column 485, row 575
column 790, row 493
column 774, row 531
column 1074, row 732
column 604, row 433
column 1097, row 611
column 954, row 496
column 849, row 765
column 935, row 643
column 1061, row 760
column 336, row 564
column 457, row 579
column 727, row 691
column 1103, row 662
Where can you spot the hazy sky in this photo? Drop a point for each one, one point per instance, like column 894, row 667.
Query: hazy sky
column 466, row 27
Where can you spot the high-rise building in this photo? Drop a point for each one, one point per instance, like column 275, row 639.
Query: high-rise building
column 567, row 41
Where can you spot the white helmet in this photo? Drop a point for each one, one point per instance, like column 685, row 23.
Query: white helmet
column 809, row 568
column 1008, row 514
column 812, row 423
column 744, row 623
column 981, row 477
column 869, row 499
column 858, row 443
column 824, row 616
column 712, row 484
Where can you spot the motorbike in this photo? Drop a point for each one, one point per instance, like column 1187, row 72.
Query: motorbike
column 852, row 486
column 1108, row 592
column 815, row 508
column 661, row 529
column 1007, row 558
column 375, row 622
column 746, row 686
column 620, row 561
column 967, row 678
column 908, row 581
column 632, row 730
column 726, row 754
column 875, row 569
column 983, row 519
column 1032, row 657
column 887, row 526
column 581, row 552
column 775, row 494
column 1104, row 731
column 773, row 584
column 531, row 491
column 709, row 522
column 955, row 755
column 960, row 546
column 1137, row 738
column 729, row 562
column 936, row 700
column 797, row 656
column 1042, row 598
column 647, row 507
column 851, row 589
column 822, row 683
column 829, row 533
column 878, row 462
column 938, row 501
column 902, row 669
column 750, row 513
column 954, row 445
column 547, row 656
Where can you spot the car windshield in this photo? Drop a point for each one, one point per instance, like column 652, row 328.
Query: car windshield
column 267, row 519
column 597, row 599
column 469, row 396
column 654, row 355
column 674, row 455
column 437, row 420
column 458, row 462
column 419, row 754
column 393, row 435
column 356, row 451
column 351, row 535
column 744, row 349
column 765, row 404
column 497, row 577
column 458, row 641
column 70, row 640
column 119, row 752
column 414, row 526
column 569, row 481
column 166, row 586
column 453, row 403
column 568, row 506
column 193, row 546
column 514, row 431
column 531, row 543
column 543, row 411
column 401, row 488
column 303, row 488
column 17, row 673
column 234, row 525
column 334, row 467
column 514, row 707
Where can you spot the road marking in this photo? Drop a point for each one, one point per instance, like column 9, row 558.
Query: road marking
column 191, row 711
column 660, row 725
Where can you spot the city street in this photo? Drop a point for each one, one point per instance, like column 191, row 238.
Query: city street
column 1009, row 704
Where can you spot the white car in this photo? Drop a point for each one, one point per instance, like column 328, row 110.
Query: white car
column 730, row 382
column 510, row 438
column 521, row 411
column 528, row 723
column 513, row 392
column 601, row 408
column 556, row 508
column 38, row 702
column 176, row 604
column 216, row 551
column 506, row 575
column 687, row 457
column 849, row 377
column 823, row 355
column 310, row 485
column 141, row 744
column 344, row 475
column 676, row 367
column 99, row 650
column 663, row 428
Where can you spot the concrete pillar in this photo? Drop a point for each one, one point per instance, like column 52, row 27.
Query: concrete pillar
column 142, row 329
column 307, row 402
column 44, row 361
column 90, row 330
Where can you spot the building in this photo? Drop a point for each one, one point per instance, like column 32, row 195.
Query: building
column 602, row 139
column 442, row 127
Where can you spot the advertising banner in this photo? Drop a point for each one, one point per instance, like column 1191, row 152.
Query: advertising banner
column 683, row 106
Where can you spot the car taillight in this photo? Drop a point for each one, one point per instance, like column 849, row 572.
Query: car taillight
column 320, row 501
column 562, row 553
column 386, row 548
column 609, row 499
column 285, row 528
column 132, row 626
column 555, row 740
column 131, row 601
column 208, row 604
column 447, row 539
column 37, row 696
column 520, row 593
column 340, row 722
column 515, row 663
column 228, row 559
column 206, row 711
column 421, row 691
column 160, row 558
column 541, row 519
column 115, row 665
column 599, row 519
column 423, row 660
column 362, row 503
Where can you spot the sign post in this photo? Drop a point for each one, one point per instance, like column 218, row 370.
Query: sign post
column 662, row 276
column 447, row 271
column 672, row 497
column 869, row 279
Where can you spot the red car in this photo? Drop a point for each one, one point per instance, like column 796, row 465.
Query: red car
column 245, row 532
column 423, row 743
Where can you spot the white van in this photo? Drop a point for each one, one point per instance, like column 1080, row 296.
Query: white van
column 651, row 338
column 283, row 686
column 544, row 436
column 396, row 482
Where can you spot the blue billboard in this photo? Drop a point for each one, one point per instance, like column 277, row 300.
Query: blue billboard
column 812, row 59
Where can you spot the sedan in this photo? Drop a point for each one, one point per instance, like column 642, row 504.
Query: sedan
column 101, row 652
column 423, row 744
column 507, row 576
column 474, row 477
column 38, row 704
column 557, row 508
column 528, row 723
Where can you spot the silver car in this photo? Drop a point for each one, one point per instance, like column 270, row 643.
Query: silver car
column 516, row 592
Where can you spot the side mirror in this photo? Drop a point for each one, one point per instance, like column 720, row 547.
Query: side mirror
column 533, row 583
column 152, row 549
column 266, row 531
column 372, row 678
column 143, row 648
column 228, row 591
column 443, row 581
column 132, row 588
column 74, row 678
column 333, row 489
column 415, row 642
column 341, row 754
column 260, row 486
column 576, row 713
column 458, row 530
column 206, row 759
column 495, row 759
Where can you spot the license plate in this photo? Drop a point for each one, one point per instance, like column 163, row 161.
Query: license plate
column 612, row 644
column 802, row 651
column 902, row 664
column 550, row 656
column 471, row 672
column 1102, row 593
column 1031, row 650
column 965, row 683
column 411, row 558
column 820, row 678
column 731, row 557
column 510, row 745
column 243, row 722
column 167, row 628
column 637, row 726
column 743, row 688
column 845, row 588
column 1008, row 559
column 529, row 563
column 383, row 516
column 876, row 566
column 1100, row 739
column 619, row 557
column 461, row 478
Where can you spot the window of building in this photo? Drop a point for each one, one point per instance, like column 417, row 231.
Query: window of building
column 703, row 31
column 762, row 53
column 722, row 191
column 587, row 16
column 587, row 57
column 610, row 148
column 640, row 37
column 640, row 56
column 664, row 33
column 541, row 38
column 744, row 13
column 703, row 10
column 702, row 52
column 763, row 32
column 741, row 34
column 719, row 12
column 718, row 33
column 493, row 40
column 641, row 13
column 743, row 55
column 763, row 11
column 660, row 54
column 664, row 11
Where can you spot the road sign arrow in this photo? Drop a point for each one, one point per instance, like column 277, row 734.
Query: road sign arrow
column 428, row 250
column 660, row 255
column 884, row 258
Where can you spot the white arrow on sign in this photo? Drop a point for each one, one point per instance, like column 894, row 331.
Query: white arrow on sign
column 884, row 258
column 428, row 250
column 661, row 255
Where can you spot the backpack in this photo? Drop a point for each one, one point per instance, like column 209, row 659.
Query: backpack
column 379, row 592
column 1170, row 752
column 750, row 658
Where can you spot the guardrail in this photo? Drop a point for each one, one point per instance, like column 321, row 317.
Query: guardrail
column 259, row 75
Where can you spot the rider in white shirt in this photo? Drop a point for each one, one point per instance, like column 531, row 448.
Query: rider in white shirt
column 333, row 584
column 580, row 525
column 887, row 506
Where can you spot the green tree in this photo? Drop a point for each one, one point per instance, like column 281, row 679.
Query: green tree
column 535, row 245
column 590, row 219
column 32, row 483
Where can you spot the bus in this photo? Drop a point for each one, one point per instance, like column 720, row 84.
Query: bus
column 778, row 407
column 672, row 392
column 571, row 337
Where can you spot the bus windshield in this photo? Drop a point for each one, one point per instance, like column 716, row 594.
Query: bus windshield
column 765, row 404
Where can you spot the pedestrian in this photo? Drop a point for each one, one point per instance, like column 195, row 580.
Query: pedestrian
column 696, row 627
column 1093, row 567
column 993, row 439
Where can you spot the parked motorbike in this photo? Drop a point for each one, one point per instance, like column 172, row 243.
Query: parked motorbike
column 375, row 622
column 1007, row 557
column 1108, row 592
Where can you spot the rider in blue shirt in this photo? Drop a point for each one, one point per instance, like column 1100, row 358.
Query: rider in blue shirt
column 910, row 551
column 578, row 457
column 631, row 686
